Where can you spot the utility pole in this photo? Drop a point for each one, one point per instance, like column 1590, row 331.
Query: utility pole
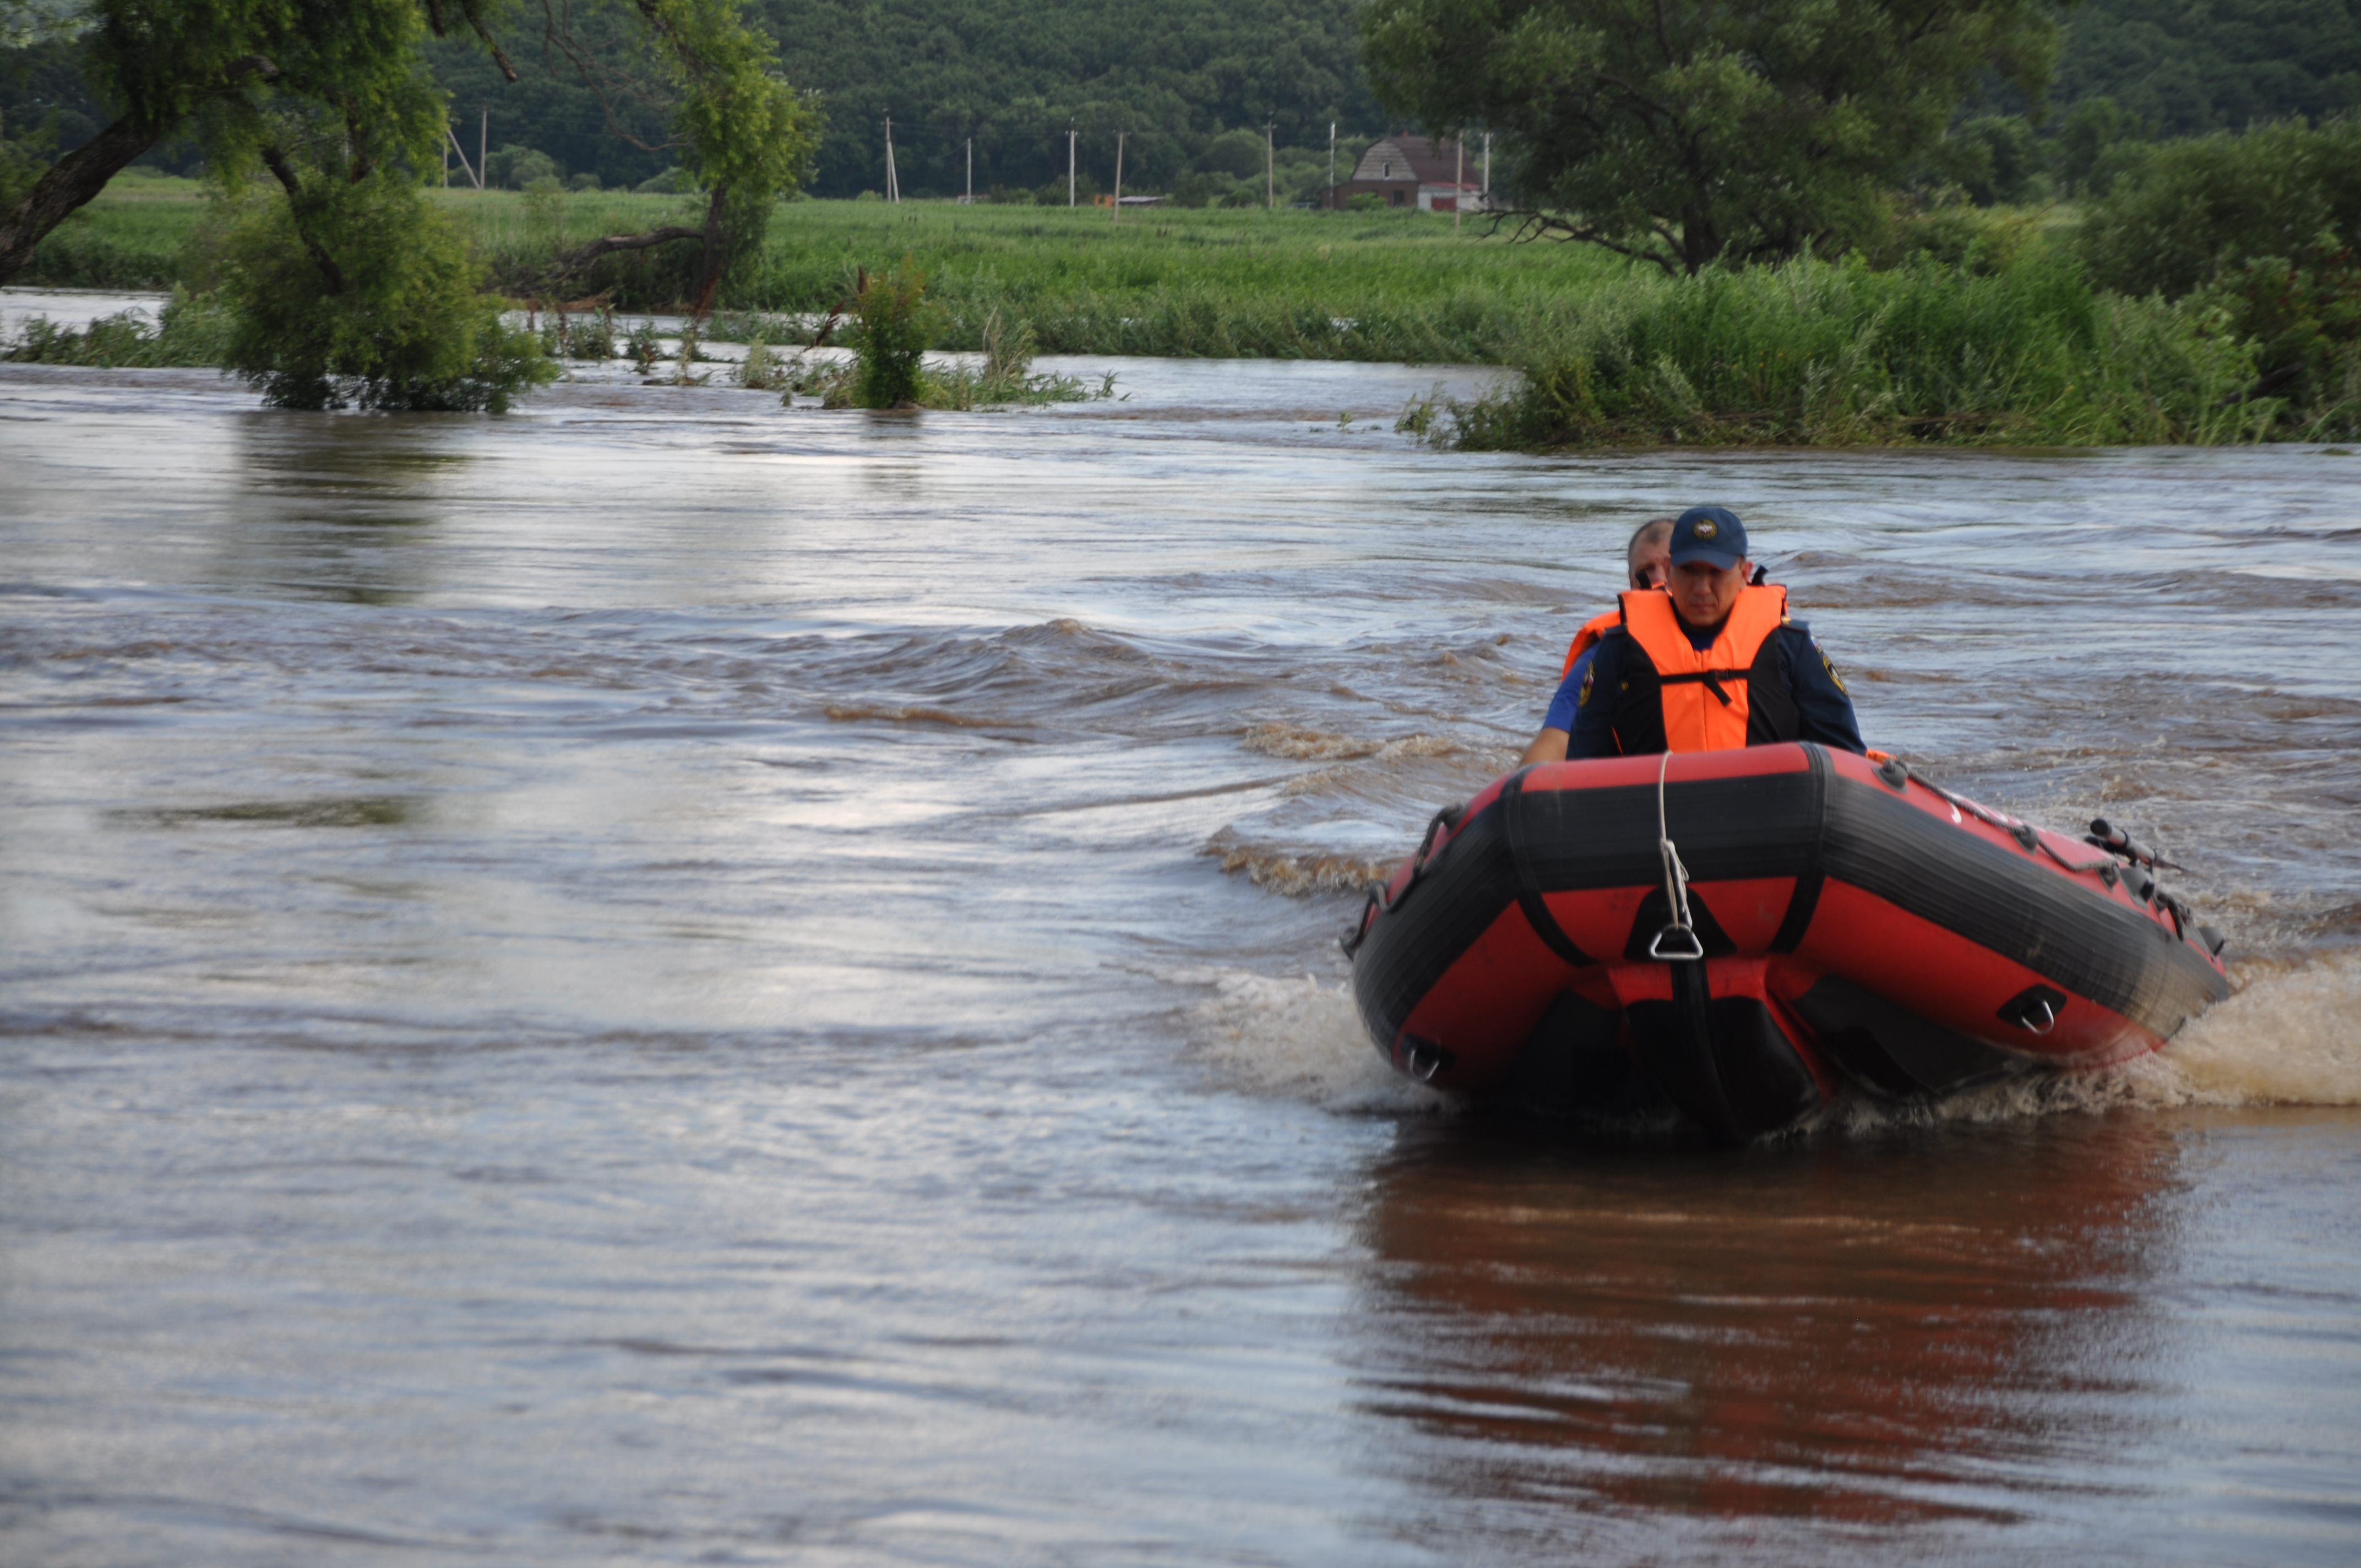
column 971, row 172
column 1458, row 178
column 1118, row 176
column 1270, row 163
column 1332, row 166
column 450, row 145
column 483, row 149
column 1070, row 163
column 893, row 180
column 1487, row 171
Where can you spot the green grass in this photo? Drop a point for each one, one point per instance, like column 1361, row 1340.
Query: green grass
column 1992, row 336
column 1221, row 282
column 134, row 237
column 1826, row 354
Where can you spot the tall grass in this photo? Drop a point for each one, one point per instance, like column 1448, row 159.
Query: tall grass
column 1209, row 282
column 191, row 330
column 1817, row 353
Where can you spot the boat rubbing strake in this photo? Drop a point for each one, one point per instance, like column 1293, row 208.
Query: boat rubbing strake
column 1744, row 931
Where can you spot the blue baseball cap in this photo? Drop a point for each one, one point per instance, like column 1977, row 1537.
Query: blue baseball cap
column 1712, row 534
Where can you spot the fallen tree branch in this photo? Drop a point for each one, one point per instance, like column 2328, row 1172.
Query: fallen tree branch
column 574, row 261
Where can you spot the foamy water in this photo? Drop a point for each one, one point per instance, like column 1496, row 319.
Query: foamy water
column 664, row 978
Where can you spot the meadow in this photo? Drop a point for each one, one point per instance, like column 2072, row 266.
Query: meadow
column 1208, row 281
column 1985, row 330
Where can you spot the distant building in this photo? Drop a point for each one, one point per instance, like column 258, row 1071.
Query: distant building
column 1415, row 171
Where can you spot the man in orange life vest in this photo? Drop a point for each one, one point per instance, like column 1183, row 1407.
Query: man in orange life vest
column 1712, row 663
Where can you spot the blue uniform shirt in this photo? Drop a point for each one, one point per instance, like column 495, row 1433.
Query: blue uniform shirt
column 1826, row 711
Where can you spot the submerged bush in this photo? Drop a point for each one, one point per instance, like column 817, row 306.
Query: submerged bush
column 890, row 329
column 1823, row 353
column 371, row 302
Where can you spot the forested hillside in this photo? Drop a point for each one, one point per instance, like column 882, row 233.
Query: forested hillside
column 1176, row 74
column 1013, row 74
column 2185, row 67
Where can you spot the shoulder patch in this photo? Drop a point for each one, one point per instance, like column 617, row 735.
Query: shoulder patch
column 1831, row 669
column 1582, row 697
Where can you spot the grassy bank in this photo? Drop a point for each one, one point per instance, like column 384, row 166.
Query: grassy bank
column 1209, row 282
column 1834, row 354
column 1994, row 336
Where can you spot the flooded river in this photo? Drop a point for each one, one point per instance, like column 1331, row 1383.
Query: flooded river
column 663, row 978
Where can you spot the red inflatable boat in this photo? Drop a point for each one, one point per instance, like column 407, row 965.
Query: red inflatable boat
column 1745, row 932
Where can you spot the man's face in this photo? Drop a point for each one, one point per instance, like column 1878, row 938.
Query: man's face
column 1651, row 563
column 1703, row 592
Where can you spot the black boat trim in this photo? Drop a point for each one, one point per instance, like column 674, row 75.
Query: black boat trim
column 1516, row 808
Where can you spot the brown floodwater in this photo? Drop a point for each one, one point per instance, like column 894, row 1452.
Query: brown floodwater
column 663, row 978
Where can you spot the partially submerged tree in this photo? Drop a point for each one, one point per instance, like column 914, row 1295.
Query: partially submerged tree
column 1683, row 132
column 333, row 104
column 743, row 136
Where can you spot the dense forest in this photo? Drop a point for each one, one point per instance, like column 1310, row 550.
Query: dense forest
column 1010, row 74
column 2186, row 67
column 1194, row 81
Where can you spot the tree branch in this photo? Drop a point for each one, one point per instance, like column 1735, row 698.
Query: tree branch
column 276, row 162
column 1533, row 224
column 73, row 179
column 574, row 261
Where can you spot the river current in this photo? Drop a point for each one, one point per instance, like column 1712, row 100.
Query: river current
column 666, row 979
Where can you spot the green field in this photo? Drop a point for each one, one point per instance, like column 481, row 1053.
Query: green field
column 1168, row 282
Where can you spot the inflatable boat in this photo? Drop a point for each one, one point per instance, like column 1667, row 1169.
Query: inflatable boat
column 1746, row 933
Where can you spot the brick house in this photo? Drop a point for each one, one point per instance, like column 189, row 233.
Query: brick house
column 1416, row 172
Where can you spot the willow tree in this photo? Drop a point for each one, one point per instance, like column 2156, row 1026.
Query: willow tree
column 1686, row 132
column 347, row 286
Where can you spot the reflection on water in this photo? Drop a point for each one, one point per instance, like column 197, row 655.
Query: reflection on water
column 663, row 978
column 1863, row 1332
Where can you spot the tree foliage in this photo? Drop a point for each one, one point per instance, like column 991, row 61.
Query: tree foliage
column 2265, row 228
column 358, row 294
column 308, row 91
column 1684, row 132
column 2187, row 67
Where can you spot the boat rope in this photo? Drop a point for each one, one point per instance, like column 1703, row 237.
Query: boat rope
column 1677, row 887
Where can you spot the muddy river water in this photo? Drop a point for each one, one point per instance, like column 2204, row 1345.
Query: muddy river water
column 663, row 978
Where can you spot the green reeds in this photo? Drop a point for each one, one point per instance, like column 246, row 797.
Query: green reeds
column 191, row 330
column 1007, row 376
column 1817, row 353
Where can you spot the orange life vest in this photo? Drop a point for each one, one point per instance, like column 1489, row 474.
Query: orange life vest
column 1597, row 627
column 1678, row 698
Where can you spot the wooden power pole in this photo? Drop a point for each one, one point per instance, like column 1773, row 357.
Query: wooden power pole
column 1069, row 164
column 1118, row 176
column 1270, row 163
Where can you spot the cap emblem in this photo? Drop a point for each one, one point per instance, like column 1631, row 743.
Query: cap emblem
column 1705, row 527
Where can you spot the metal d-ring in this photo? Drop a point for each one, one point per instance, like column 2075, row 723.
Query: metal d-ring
column 1695, row 946
column 2048, row 1016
